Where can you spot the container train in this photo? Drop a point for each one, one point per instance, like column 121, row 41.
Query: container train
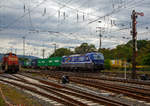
column 89, row 61
column 10, row 63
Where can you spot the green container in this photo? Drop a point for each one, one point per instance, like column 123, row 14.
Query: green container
column 42, row 62
column 27, row 63
column 50, row 62
column 54, row 61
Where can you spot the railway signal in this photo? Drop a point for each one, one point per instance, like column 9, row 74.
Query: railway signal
column 134, row 38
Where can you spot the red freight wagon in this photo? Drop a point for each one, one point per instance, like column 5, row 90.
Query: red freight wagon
column 10, row 63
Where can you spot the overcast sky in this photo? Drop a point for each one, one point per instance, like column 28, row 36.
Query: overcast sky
column 68, row 23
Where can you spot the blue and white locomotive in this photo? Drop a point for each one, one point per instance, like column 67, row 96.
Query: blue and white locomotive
column 89, row 61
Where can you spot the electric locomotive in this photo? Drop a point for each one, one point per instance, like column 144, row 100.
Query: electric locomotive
column 89, row 61
column 10, row 63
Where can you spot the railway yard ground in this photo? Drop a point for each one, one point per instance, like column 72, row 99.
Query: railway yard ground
column 11, row 95
column 45, row 88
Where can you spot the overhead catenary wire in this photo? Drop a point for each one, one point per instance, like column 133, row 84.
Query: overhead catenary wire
column 111, row 13
column 64, row 5
column 30, row 19
column 23, row 16
column 7, row 26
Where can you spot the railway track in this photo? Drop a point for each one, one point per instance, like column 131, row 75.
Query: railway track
column 59, row 101
column 95, row 76
column 135, row 93
column 130, row 91
column 100, row 99
column 117, row 79
column 71, row 97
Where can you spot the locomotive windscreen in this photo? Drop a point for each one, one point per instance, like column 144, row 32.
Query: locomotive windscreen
column 98, row 57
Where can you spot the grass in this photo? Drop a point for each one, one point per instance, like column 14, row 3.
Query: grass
column 2, row 102
column 16, row 97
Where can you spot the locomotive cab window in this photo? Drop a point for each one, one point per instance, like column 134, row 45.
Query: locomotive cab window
column 8, row 54
column 98, row 57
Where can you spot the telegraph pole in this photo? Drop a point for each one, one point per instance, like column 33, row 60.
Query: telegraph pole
column 54, row 47
column 23, row 45
column 100, row 42
column 100, row 37
column 11, row 49
column 16, row 51
column 134, row 38
column 43, row 53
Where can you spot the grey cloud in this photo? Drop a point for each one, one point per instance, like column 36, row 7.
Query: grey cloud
column 37, row 27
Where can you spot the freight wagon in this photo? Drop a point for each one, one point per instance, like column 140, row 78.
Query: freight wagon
column 48, row 63
column 54, row 63
column 121, row 64
column 42, row 63
column 34, row 63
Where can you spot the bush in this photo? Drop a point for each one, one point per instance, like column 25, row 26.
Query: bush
column 107, row 64
column 146, row 60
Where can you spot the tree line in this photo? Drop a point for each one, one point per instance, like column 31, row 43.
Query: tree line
column 123, row 51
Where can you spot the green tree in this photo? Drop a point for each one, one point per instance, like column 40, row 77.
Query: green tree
column 143, row 54
column 142, row 44
column 85, row 48
column 123, row 52
column 108, row 53
column 62, row 52
column 146, row 60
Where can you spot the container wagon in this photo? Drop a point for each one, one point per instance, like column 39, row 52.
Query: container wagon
column 42, row 63
column 54, row 63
